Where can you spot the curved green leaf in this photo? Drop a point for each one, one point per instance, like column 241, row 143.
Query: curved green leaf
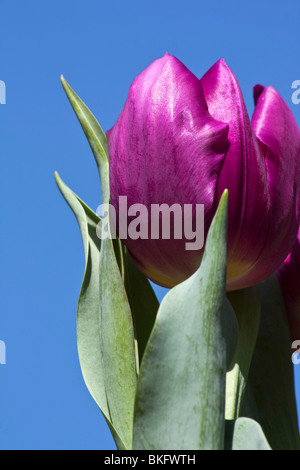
column 143, row 303
column 88, row 326
column 246, row 304
column 117, row 344
column 270, row 392
column 180, row 401
column 117, row 335
column 94, row 135
column 247, row 434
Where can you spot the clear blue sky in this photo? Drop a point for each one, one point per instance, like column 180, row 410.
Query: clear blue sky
column 100, row 47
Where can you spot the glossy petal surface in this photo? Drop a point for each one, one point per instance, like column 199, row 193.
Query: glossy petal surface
column 166, row 148
column 180, row 140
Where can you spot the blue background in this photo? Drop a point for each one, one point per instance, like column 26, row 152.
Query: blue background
column 100, row 47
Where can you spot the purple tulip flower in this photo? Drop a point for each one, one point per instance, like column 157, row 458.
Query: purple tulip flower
column 181, row 140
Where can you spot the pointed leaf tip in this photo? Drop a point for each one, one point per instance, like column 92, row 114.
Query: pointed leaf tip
column 224, row 197
column 223, row 205
column 64, row 82
column 94, row 134
column 58, row 180
column 218, row 228
column 192, row 373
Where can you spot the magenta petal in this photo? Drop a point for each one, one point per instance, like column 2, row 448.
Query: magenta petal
column 166, row 148
column 289, row 278
column 183, row 140
column 278, row 133
column 243, row 173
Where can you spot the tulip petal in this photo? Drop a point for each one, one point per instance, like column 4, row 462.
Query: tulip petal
column 180, row 140
column 163, row 144
column 243, row 173
column 261, row 171
column 278, row 133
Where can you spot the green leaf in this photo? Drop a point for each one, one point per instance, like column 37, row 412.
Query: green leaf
column 117, row 344
column 117, row 335
column 270, row 392
column 181, row 388
column 245, row 434
column 246, row 304
column 88, row 326
column 143, row 303
column 94, row 135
